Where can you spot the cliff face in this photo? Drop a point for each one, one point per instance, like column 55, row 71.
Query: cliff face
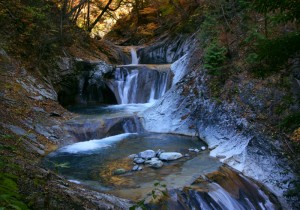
column 240, row 132
column 32, row 125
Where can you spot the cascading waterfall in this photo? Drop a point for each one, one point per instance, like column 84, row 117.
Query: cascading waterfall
column 126, row 83
column 140, row 83
column 218, row 198
column 111, row 133
column 134, row 57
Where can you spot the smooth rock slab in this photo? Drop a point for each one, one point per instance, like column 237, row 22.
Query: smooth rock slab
column 170, row 155
column 147, row 154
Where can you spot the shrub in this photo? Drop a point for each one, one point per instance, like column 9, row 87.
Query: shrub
column 214, row 58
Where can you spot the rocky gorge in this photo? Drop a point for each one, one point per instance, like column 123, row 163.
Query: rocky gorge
column 167, row 95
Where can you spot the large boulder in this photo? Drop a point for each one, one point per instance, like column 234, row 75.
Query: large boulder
column 170, row 156
column 147, row 154
column 155, row 163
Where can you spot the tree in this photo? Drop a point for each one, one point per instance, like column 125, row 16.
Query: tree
column 271, row 53
column 104, row 10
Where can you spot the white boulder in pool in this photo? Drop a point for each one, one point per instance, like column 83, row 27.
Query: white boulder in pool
column 170, row 156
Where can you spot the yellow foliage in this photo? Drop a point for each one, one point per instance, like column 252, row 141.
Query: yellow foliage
column 296, row 135
column 107, row 172
column 148, row 11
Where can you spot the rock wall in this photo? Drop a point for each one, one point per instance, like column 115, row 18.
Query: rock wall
column 32, row 124
column 166, row 50
column 233, row 130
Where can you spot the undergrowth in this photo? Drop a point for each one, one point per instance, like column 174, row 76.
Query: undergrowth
column 10, row 197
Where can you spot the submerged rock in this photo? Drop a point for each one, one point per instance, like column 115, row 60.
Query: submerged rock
column 119, row 171
column 132, row 156
column 170, row 155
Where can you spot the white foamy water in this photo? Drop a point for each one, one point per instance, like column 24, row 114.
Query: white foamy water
column 130, row 108
column 223, row 198
column 74, row 181
column 134, row 58
column 92, row 145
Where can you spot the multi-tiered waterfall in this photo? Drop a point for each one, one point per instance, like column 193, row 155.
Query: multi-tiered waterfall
column 140, row 83
column 108, row 134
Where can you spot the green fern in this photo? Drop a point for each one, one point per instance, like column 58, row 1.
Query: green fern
column 10, row 197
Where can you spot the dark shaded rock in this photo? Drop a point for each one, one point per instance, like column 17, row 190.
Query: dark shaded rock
column 158, row 152
column 55, row 114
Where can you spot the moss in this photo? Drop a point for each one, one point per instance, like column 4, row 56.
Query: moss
column 10, row 197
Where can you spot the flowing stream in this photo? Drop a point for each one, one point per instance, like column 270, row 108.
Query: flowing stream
column 108, row 134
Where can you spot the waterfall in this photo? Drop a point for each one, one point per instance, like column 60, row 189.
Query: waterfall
column 140, row 84
column 237, row 192
column 134, row 58
column 127, row 85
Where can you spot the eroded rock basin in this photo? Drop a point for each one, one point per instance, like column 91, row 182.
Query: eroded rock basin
column 92, row 163
column 193, row 181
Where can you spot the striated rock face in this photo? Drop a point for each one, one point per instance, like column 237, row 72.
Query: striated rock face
column 166, row 50
column 81, row 82
column 223, row 189
column 78, row 81
column 86, row 129
column 31, row 126
column 235, row 137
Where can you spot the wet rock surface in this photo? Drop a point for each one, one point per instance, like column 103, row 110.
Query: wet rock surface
column 170, row 156
column 231, row 130
column 147, row 154
column 155, row 163
column 242, row 142
column 166, row 50
column 28, row 132
column 224, row 189
column 154, row 159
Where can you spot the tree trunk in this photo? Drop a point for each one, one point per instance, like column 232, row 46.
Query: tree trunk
column 88, row 15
